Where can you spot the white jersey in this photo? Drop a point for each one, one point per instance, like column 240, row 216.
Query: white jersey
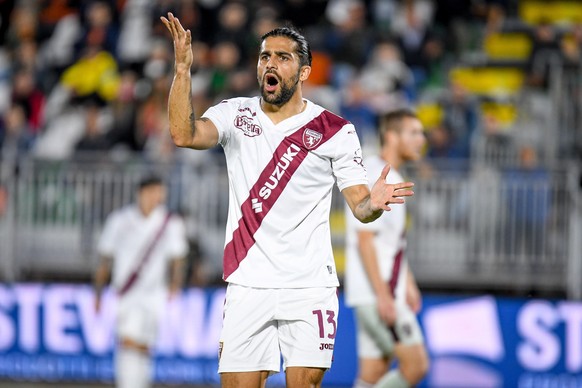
column 281, row 179
column 126, row 236
column 389, row 243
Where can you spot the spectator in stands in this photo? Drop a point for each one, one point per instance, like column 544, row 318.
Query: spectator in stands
column 26, row 57
column 58, row 49
column 544, row 54
column 141, row 247
column 453, row 138
column 124, row 132
column 94, row 74
column 226, row 58
column 158, row 62
column 356, row 108
column 135, row 33
column 348, row 41
column 233, row 27
column 152, row 122
column 51, row 12
column 527, row 199
column 384, row 83
column 95, row 141
column 494, row 144
column 6, row 8
column 28, row 95
column 455, row 19
column 16, row 137
column 412, row 28
column 23, row 25
column 98, row 25
column 571, row 46
column 304, row 13
column 386, row 79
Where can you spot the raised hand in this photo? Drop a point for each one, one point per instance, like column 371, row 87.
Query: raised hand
column 383, row 194
column 182, row 42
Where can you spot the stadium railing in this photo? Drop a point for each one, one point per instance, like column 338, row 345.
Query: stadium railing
column 471, row 226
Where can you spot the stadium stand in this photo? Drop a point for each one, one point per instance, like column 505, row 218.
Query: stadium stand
column 83, row 91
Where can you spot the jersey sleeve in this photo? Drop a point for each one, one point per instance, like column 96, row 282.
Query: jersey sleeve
column 347, row 164
column 221, row 116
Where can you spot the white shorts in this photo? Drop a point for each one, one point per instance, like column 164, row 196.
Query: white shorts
column 138, row 319
column 376, row 340
column 262, row 324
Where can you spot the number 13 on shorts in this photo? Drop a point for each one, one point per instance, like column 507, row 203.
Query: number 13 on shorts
column 327, row 327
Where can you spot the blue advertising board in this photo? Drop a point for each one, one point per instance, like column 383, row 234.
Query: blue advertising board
column 50, row 332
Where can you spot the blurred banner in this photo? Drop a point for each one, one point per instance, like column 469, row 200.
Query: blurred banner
column 50, row 332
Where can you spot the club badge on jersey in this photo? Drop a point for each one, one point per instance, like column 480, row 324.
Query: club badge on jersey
column 311, row 138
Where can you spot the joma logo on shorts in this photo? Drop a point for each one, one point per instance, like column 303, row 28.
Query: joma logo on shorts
column 323, row 346
column 277, row 174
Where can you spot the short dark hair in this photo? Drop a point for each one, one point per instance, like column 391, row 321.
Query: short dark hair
column 392, row 121
column 150, row 180
column 303, row 48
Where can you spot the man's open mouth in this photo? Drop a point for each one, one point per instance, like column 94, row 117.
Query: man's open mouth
column 271, row 82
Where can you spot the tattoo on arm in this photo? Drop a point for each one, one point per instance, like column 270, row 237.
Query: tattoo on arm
column 192, row 122
column 364, row 212
column 363, row 204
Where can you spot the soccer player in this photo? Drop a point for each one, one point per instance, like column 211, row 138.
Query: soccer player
column 283, row 155
column 140, row 244
column 379, row 285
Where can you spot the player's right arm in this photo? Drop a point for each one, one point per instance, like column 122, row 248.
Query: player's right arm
column 102, row 275
column 186, row 130
column 369, row 257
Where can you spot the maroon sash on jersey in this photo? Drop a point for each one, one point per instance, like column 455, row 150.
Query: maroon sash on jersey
column 395, row 270
column 396, row 266
column 144, row 259
column 277, row 173
column 394, row 280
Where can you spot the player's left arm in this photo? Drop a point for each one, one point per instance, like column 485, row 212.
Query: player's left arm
column 367, row 205
column 176, row 282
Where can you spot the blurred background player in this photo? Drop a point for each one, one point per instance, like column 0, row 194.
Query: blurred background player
column 379, row 285
column 142, row 245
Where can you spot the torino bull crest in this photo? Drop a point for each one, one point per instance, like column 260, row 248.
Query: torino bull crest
column 311, row 138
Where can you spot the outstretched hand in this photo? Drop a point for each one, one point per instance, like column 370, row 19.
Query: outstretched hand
column 182, row 42
column 383, row 194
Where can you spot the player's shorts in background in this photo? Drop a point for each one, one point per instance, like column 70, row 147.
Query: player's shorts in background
column 301, row 322
column 375, row 339
column 138, row 318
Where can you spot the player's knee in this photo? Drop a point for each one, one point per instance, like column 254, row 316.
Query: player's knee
column 304, row 377
column 372, row 370
column 415, row 369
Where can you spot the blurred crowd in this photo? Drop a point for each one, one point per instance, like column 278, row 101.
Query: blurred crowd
column 91, row 77
column 89, row 80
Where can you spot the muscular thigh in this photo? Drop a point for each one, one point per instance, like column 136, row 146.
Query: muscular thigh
column 243, row 379
column 248, row 341
column 377, row 340
column 299, row 377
